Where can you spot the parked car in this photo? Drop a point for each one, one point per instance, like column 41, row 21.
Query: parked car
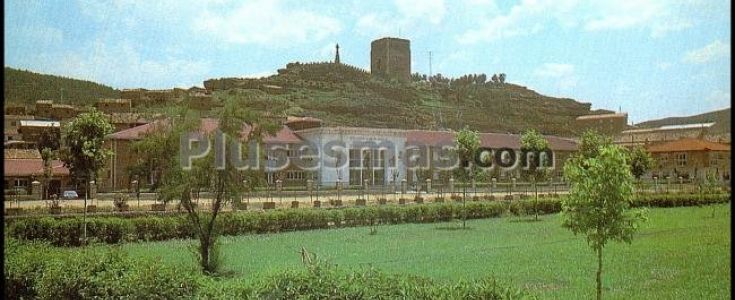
column 70, row 195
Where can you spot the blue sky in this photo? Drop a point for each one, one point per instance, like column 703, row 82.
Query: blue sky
column 653, row 58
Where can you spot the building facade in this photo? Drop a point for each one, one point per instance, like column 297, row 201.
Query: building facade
column 690, row 158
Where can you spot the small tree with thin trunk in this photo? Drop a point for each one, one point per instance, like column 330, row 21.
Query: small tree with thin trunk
column 535, row 143
column 83, row 152
column 224, row 182
column 467, row 143
column 599, row 200
column 640, row 161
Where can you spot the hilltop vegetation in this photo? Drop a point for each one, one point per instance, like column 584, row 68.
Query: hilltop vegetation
column 348, row 96
column 25, row 87
column 720, row 117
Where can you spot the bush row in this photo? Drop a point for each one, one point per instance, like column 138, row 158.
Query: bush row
column 35, row 270
column 112, row 230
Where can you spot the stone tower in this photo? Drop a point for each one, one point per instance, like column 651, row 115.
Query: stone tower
column 336, row 57
column 391, row 57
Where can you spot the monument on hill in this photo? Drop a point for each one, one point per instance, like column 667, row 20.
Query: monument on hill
column 391, row 57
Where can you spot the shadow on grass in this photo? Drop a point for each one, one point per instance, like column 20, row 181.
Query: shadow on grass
column 525, row 220
column 453, row 227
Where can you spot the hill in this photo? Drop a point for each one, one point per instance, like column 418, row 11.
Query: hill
column 720, row 117
column 23, row 87
column 344, row 95
column 348, row 96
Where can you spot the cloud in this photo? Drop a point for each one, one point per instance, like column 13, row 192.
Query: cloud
column 714, row 50
column 526, row 18
column 564, row 74
column 122, row 66
column 259, row 74
column 266, row 23
column 374, row 25
column 432, row 10
column 533, row 16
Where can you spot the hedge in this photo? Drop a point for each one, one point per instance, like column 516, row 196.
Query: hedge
column 36, row 271
column 112, row 230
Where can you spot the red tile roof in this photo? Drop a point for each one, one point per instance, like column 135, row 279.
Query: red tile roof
column 688, row 144
column 32, row 167
column 207, row 125
column 490, row 140
column 135, row 133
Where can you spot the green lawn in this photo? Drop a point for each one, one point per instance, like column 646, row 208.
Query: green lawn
column 680, row 253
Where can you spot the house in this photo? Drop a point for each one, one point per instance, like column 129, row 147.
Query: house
column 118, row 176
column 23, row 166
column 32, row 130
column 690, row 158
column 110, row 106
column 644, row 136
column 608, row 124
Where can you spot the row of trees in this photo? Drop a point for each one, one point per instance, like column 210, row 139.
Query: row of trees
column 464, row 80
column 601, row 175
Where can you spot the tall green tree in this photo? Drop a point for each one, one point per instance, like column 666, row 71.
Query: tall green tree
column 83, row 152
column 598, row 204
column 640, row 161
column 534, row 142
column 224, row 184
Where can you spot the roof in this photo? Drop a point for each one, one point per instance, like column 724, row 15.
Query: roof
column 207, row 125
column 135, row 133
column 126, row 118
column 490, row 140
column 685, row 126
column 284, row 135
column 687, row 144
column 290, row 119
column 39, row 123
column 603, row 116
column 671, row 127
column 108, row 100
column 32, row 167
column 21, row 153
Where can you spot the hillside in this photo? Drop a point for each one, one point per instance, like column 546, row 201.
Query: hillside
column 25, row 87
column 348, row 96
column 720, row 117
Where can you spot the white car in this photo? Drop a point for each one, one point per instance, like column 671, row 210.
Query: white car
column 70, row 195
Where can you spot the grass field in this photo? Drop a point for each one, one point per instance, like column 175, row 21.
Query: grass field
column 680, row 253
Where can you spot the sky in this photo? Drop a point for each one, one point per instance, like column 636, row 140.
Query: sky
column 652, row 59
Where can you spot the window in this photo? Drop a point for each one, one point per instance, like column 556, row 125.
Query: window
column 714, row 158
column 681, row 159
column 295, row 175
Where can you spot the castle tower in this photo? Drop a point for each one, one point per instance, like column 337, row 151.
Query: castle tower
column 391, row 57
column 336, row 57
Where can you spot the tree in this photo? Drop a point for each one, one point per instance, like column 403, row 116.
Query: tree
column 467, row 142
column 501, row 77
column 640, row 161
column 49, row 138
column 225, row 183
column 599, row 199
column 47, row 156
column 494, row 78
column 83, row 152
column 533, row 142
